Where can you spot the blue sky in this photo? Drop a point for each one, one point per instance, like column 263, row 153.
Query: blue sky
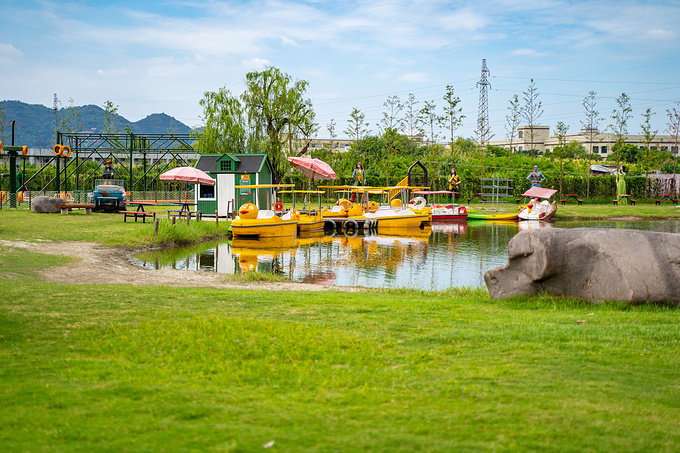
column 161, row 56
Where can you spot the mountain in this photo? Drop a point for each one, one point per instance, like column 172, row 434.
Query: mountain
column 35, row 123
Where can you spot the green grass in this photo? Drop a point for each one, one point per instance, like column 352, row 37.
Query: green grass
column 125, row 368
column 103, row 367
column 104, row 228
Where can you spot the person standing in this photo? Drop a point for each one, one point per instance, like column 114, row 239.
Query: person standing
column 536, row 177
column 621, row 185
column 454, row 182
column 359, row 179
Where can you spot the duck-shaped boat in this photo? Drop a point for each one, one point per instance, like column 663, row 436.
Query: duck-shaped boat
column 264, row 223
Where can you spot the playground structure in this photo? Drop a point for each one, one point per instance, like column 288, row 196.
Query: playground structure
column 154, row 153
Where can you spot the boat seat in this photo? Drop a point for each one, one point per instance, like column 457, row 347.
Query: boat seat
column 265, row 214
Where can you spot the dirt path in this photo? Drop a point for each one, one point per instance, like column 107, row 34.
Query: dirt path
column 98, row 264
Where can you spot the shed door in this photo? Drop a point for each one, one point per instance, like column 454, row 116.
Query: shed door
column 225, row 193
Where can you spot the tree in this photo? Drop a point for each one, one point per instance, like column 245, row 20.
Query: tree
column 561, row 130
column 357, row 129
column 225, row 123
column 411, row 118
column 71, row 120
column 273, row 102
column 649, row 136
column 110, row 118
column 271, row 109
column 512, row 120
column 331, row 145
column 621, row 115
column 390, row 124
column 429, row 117
column 453, row 115
column 531, row 112
column 673, row 129
column 591, row 126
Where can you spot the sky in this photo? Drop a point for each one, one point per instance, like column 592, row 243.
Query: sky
column 162, row 56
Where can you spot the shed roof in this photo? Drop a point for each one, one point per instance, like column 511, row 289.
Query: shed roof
column 246, row 163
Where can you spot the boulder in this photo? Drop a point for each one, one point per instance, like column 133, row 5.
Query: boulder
column 591, row 263
column 46, row 204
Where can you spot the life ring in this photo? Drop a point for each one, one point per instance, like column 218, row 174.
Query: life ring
column 65, row 151
column 350, row 225
column 0, row 147
column 278, row 206
column 419, row 203
column 24, row 149
column 58, row 149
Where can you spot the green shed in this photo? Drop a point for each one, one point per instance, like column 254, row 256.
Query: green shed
column 230, row 171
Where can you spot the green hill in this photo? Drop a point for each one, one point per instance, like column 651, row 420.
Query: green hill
column 35, row 123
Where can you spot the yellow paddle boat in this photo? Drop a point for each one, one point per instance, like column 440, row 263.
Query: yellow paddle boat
column 309, row 220
column 264, row 223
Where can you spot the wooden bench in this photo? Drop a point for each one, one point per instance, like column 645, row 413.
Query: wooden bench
column 616, row 202
column 632, row 202
column 66, row 207
column 137, row 214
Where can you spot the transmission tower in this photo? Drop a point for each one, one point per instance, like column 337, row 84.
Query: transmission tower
column 483, row 110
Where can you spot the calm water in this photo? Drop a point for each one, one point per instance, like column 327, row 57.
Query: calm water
column 450, row 254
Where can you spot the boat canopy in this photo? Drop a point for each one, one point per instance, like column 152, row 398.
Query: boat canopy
column 539, row 192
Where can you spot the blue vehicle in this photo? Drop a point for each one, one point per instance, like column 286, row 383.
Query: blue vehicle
column 109, row 195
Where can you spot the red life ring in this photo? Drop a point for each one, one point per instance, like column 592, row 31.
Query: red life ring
column 278, row 206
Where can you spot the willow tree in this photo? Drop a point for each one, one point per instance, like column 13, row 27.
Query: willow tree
column 270, row 110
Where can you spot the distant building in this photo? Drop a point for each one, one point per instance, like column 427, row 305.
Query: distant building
column 601, row 142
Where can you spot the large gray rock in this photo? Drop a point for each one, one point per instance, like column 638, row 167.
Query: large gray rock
column 591, row 263
column 46, row 204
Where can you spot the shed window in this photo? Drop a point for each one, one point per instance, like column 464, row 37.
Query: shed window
column 227, row 165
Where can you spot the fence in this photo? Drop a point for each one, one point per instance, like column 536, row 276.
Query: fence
column 23, row 199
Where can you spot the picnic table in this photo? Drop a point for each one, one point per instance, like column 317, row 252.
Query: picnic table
column 671, row 197
column 185, row 209
column 571, row 196
column 140, row 212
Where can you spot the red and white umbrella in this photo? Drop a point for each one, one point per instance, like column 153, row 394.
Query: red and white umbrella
column 189, row 175
column 313, row 168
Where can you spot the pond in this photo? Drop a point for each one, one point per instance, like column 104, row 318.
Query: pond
column 446, row 255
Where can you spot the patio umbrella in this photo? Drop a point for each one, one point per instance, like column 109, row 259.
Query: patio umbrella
column 188, row 175
column 313, row 168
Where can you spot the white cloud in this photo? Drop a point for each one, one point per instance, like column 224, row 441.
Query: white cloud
column 9, row 54
column 661, row 34
column 526, row 53
column 414, row 77
column 286, row 41
column 255, row 64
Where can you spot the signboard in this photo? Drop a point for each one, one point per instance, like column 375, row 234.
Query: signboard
column 245, row 181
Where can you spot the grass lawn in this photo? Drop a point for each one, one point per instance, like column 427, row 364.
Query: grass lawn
column 125, row 368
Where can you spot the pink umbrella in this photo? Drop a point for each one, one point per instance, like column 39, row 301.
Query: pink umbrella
column 188, row 175
column 313, row 168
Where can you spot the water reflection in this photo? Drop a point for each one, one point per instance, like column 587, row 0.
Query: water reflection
column 445, row 255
